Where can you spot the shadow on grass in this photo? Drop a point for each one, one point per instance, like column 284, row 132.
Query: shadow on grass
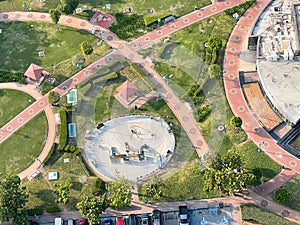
column 47, row 197
column 267, row 173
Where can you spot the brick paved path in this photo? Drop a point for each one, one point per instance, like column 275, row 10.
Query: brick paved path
column 237, row 44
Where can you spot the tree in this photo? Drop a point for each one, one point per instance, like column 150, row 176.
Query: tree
column 236, row 121
column 68, row 6
column 55, row 15
column 153, row 189
column 53, row 97
column 91, row 207
column 13, row 198
column 86, row 48
column 282, row 195
column 63, row 193
column 227, row 174
column 119, row 193
column 214, row 43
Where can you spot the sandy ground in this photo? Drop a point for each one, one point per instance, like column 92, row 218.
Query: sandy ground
column 147, row 133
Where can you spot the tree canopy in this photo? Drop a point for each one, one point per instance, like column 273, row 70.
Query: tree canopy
column 91, row 207
column 227, row 174
column 119, row 193
column 13, row 198
column 282, row 195
column 68, row 6
column 53, row 97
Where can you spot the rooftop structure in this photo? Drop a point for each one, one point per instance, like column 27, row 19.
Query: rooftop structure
column 281, row 83
column 34, row 72
column 127, row 93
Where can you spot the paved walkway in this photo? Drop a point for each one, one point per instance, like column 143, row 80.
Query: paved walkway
column 25, row 116
column 280, row 179
column 238, row 104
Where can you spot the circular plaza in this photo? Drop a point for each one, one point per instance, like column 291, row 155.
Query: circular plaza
column 134, row 146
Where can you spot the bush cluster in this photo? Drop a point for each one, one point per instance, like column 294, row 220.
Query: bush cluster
column 36, row 211
column 98, row 185
column 6, row 76
column 52, row 209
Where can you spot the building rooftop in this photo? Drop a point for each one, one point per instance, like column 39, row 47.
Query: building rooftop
column 281, row 82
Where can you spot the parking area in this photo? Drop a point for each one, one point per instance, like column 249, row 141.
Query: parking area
column 221, row 215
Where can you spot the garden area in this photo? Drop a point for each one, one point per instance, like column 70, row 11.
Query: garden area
column 21, row 148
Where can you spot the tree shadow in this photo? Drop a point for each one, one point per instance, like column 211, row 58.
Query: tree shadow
column 77, row 186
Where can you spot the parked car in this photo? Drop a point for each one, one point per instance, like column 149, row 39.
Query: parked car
column 183, row 214
column 132, row 219
column 82, row 221
column 119, row 220
column 145, row 219
column 156, row 214
column 107, row 221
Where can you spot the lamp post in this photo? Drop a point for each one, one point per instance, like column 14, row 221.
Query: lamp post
column 38, row 159
column 259, row 144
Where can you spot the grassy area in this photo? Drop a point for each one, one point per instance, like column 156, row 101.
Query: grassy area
column 178, row 8
column 293, row 186
column 260, row 215
column 21, row 42
column 82, row 183
column 40, row 194
column 12, row 102
column 21, row 148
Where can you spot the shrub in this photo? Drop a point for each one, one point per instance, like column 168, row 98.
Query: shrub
column 77, row 151
column 281, row 195
column 86, row 48
column 36, row 211
column 63, row 130
column 72, row 148
column 202, row 112
column 98, row 185
column 66, row 148
column 68, row 182
column 214, row 70
column 236, row 121
column 52, row 209
column 258, row 174
column 213, row 57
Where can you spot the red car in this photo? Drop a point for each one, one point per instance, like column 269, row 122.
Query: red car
column 82, row 221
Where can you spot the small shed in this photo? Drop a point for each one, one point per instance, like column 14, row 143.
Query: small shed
column 34, row 72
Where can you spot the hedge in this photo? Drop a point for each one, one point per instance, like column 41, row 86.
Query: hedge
column 7, row 76
column 240, row 9
column 255, row 213
column 86, row 48
column 149, row 19
column 36, row 211
column 63, row 130
column 52, row 209
column 143, row 76
column 54, row 146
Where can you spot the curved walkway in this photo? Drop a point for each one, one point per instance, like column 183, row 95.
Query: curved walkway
column 236, row 44
column 20, row 119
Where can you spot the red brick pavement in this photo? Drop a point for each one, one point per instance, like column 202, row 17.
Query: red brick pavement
column 235, row 95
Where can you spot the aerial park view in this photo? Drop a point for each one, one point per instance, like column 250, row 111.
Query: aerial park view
column 148, row 112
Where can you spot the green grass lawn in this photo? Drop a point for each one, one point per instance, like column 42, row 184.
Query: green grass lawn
column 293, row 186
column 178, row 8
column 21, row 42
column 21, row 148
column 12, row 102
column 40, row 194
column 262, row 216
